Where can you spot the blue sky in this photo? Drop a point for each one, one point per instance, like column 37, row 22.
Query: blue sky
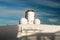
column 48, row 11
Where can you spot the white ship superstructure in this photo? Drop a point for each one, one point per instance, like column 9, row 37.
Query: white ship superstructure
column 29, row 25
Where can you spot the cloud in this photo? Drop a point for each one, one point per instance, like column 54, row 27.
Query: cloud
column 53, row 20
column 45, row 14
column 14, row 2
column 11, row 12
column 48, row 3
column 10, row 16
column 37, row 2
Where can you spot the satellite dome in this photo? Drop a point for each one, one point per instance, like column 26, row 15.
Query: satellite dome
column 23, row 21
column 37, row 21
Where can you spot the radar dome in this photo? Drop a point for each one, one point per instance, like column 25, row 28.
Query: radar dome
column 23, row 21
column 37, row 21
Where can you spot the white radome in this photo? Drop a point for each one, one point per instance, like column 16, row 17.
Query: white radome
column 23, row 21
column 37, row 21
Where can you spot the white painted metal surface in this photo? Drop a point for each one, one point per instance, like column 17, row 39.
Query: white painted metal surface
column 23, row 21
column 30, row 17
column 37, row 28
column 37, row 21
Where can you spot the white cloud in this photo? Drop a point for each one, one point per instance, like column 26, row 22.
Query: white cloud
column 45, row 14
column 6, row 12
column 48, row 3
column 15, row 2
column 9, row 1
column 42, row 2
column 53, row 20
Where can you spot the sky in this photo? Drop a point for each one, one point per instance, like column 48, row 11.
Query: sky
column 11, row 11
